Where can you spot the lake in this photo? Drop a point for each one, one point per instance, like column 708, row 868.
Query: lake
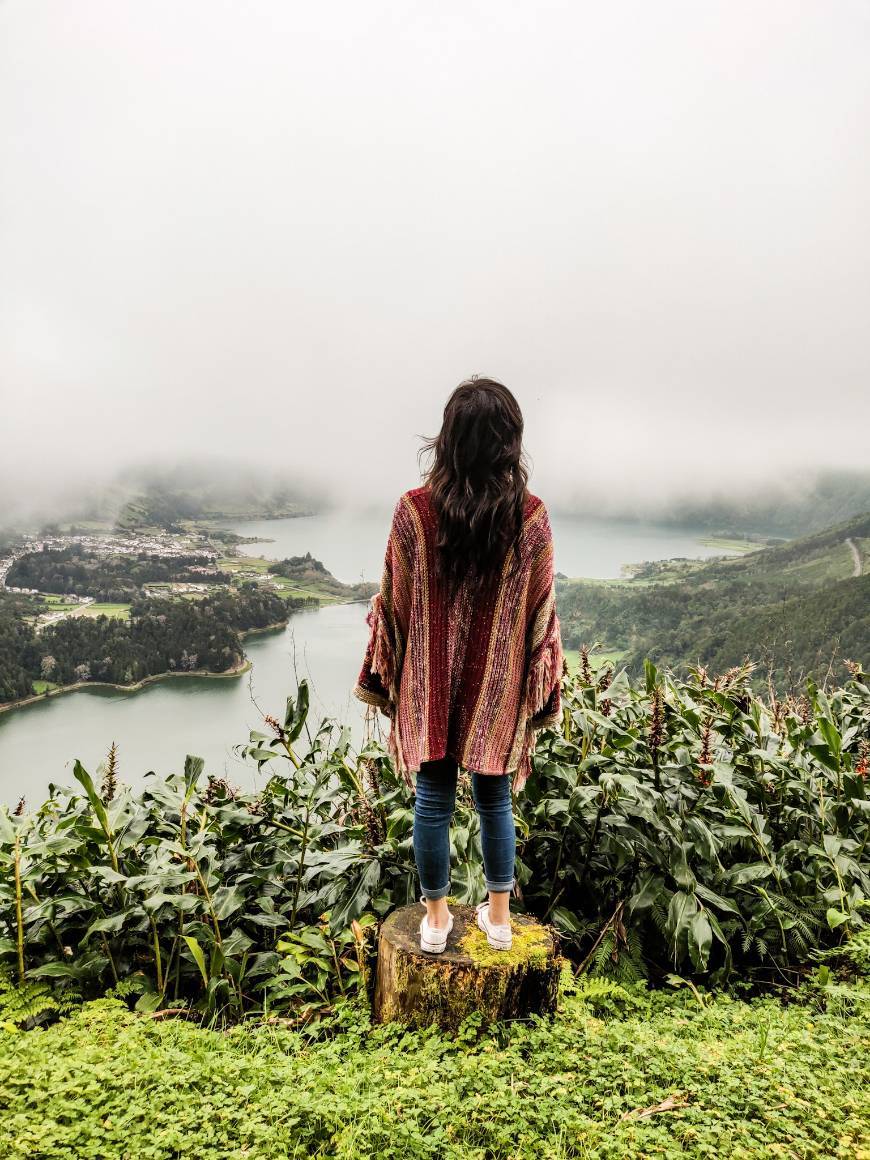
column 156, row 727
column 351, row 544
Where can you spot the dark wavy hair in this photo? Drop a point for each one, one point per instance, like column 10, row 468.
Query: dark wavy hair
column 478, row 479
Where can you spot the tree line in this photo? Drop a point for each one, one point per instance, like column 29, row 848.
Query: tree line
column 795, row 632
column 162, row 635
column 74, row 571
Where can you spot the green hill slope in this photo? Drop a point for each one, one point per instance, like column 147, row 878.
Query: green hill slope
column 798, row 607
column 816, row 559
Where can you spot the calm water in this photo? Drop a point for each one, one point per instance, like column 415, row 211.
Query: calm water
column 351, row 544
column 156, row 727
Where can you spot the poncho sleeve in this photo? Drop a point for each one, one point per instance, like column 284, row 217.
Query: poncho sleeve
column 542, row 694
column 544, row 674
column 378, row 680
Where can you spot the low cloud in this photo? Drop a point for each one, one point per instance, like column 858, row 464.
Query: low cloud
column 275, row 238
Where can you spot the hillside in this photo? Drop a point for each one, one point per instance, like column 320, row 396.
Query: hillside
column 794, row 507
column 171, row 508
column 798, row 608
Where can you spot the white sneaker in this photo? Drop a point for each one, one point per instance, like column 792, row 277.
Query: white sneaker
column 498, row 935
column 433, row 939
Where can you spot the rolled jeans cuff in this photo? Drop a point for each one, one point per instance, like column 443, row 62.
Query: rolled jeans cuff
column 500, row 887
column 434, row 895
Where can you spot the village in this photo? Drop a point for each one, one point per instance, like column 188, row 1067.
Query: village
column 163, row 544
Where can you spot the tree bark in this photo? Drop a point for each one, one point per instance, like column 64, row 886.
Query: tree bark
column 420, row 989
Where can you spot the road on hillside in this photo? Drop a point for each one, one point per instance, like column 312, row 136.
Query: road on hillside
column 856, row 556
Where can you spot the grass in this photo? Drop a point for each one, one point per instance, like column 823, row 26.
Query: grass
column 283, row 585
column 116, row 611
column 293, row 588
column 53, row 603
column 243, row 564
column 729, row 545
column 634, row 1075
column 43, row 686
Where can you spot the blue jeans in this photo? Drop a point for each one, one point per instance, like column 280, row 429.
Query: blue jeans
column 433, row 810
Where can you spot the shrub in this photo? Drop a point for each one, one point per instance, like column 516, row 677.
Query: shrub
column 672, row 826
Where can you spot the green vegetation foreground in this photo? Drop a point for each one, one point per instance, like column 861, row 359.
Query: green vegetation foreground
column 687, row 832
column 633, row 1075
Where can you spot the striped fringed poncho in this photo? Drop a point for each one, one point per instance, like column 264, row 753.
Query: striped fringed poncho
column 473, row 679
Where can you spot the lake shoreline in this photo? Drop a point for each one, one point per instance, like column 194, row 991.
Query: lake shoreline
column 236, row 671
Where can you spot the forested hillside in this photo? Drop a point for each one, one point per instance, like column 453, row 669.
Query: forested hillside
column 306, row 570
column 16, row 635
column 78, row 572
column 798, row 608
column 161, row 636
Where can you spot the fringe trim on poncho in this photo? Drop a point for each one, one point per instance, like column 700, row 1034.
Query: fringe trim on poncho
column 384, row 665
column 544, row 676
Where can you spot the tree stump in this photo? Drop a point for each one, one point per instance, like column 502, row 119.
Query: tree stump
column 419, row 988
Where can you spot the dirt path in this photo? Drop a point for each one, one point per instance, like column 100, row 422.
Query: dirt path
column 856, row 556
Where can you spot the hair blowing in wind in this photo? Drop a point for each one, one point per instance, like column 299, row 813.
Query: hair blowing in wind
column 478, row 480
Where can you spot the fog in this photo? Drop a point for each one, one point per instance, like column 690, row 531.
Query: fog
column 278, row 234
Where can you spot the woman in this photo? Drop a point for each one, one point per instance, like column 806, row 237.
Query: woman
column 464, row 653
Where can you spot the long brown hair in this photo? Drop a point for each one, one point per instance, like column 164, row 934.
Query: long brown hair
column 478, row 480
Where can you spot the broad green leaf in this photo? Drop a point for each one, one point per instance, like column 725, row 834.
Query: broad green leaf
column 682, row 875
column 301, row 712
column 81, row 775
column 193, row 767
column 752, row 872
column 109, row 924
column 682, row 909
column 7, row 830
column 566, row 920
column 199, row 957
column 646, row 892
column 183, row 902
column 227, row 900
column 831, row 734
column 700, row 940
column 149, row 1002
column 709, row 895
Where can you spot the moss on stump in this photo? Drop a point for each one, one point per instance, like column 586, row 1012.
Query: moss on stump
column 420, row 989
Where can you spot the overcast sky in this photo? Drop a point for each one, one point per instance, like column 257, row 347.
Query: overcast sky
column 288, row 230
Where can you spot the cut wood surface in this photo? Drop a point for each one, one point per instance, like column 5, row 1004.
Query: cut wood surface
column 419, row 989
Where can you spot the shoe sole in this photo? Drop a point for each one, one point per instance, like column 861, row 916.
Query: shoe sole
column 497, row 944
column 432, row 948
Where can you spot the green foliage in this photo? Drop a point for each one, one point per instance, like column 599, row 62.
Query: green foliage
column 27, row 1004
column 221, row 901
column 851, row 958
column 653, row 1075
column 668, row 826
column 17, row 636
column 319, row 969
column 692, row 825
